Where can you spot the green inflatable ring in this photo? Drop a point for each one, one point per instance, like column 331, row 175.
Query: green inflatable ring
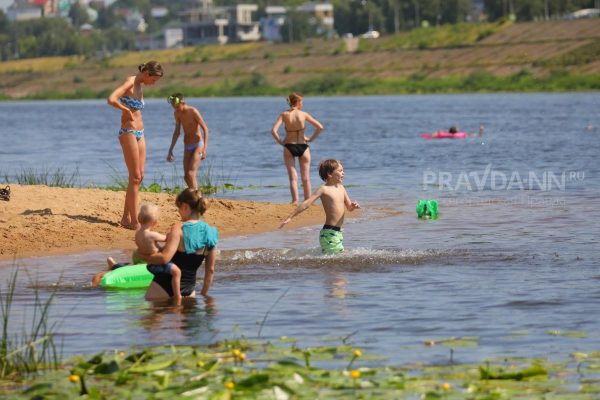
column 128, row 277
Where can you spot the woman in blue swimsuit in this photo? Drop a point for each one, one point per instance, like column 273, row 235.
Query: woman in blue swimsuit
column 129, row 98
column 189, row 243
column 296, row 143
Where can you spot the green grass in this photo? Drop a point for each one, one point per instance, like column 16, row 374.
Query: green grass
column 31, row 351
column 340, row 83
column 211, row 180
column 445, row 36
column 56, row 177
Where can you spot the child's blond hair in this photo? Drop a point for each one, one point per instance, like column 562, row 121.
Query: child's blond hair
column 148, row 213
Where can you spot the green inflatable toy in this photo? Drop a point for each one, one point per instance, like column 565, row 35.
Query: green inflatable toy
column 427, row 209
column 128, row 277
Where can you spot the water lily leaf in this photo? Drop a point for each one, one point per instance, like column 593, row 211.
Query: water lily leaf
column 466, row 341
column 574, row 334
column 40, row 387
column 152, row 367
column 285, row 339
column 535, row 370
column 97, row 359
column 254, row 380
column 107, row 368
column 146, row 355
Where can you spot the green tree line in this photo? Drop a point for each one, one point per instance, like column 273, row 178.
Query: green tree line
column 53, row 36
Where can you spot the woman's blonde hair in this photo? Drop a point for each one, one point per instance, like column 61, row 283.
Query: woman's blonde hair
column 152, row 67
column 294, row 98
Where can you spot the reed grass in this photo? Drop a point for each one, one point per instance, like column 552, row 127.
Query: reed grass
column 30, row 351
column 56, row 177
column 210, row 181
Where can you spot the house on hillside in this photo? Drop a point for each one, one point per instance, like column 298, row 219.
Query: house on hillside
column 321, row 13
column 211, row 24
column 23, row 10
column 477, row 13
column 168, row 38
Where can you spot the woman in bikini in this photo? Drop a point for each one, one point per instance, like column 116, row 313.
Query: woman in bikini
column 296, row 143
column 189, row 242
column 129, row 98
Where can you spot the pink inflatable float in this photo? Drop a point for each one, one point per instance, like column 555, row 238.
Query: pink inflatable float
column 444, row 135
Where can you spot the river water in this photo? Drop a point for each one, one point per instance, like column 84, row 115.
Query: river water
column 512, row 259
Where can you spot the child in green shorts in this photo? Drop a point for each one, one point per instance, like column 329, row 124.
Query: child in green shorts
column 335, row 202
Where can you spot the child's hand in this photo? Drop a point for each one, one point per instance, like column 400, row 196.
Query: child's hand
column 170, row 157
column 354, row 205
column 284, row 223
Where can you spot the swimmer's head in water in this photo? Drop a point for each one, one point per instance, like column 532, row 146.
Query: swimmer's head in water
column 452, row 129
column 175, row 99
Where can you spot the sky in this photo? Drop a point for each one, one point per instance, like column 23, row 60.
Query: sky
column 5, row 3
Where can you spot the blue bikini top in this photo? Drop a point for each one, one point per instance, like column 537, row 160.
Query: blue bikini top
column 197, row 235
column 131, row 102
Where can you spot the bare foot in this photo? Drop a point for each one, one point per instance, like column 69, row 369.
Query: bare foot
column 110, row 262
column 131, row 226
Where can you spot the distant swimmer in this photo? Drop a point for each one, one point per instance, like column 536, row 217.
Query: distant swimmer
column 452, row 133
column 296, row 143
column 335, row 201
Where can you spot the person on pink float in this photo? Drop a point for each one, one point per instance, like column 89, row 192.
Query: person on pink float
column 129, row 99
column 295, row 144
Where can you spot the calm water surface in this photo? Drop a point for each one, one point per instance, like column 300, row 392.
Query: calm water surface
column 512, row 260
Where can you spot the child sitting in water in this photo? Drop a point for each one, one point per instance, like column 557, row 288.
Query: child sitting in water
column 147, row 243
column 335, row 202
column 194, row 144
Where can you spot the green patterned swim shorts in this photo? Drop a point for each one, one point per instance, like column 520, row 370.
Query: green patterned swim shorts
column 331, row 240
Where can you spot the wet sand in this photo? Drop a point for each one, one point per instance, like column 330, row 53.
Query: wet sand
column 41, row 220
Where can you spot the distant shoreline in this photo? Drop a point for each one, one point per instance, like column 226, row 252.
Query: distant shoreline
column 553, row 56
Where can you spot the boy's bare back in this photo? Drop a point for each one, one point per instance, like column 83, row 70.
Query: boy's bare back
column 146, row 241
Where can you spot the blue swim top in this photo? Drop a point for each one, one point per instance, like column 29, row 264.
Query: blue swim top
column 131, row 102
column 197, row 235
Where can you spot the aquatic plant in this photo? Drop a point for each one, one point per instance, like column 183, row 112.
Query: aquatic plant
column 30, row 351
column 48, row 176
column 254, row 369
column 210, row 181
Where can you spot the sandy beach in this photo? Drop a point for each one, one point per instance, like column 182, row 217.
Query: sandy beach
column 41, row 220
